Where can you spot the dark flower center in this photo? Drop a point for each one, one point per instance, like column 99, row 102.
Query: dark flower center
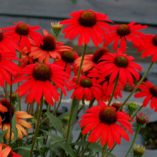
column 42, row 72
column 117, row 105
column 22, row 29
column 68, row 56
column 153, row 91
column 123, row 30
column 1, row 35
column 98, row 54
column 108, row 115
column 121, row 61
column 7, row 116
column 154, row 40
column 49, row 43
column 87, row 19
column 87, row 83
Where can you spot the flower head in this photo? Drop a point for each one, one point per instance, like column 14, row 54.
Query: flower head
column 87, row 89
column 42, row 80
column 67, row 60
column 122, row 33
column 90, row 60
column 149, row 47
column 105, row 124
column 22, row 33
column 6, row 43
column 121, row 66
column 86, row 25
column 47, row 47
column 149, row 91
column 8, row 67
column 7, row 116
column 6, row 151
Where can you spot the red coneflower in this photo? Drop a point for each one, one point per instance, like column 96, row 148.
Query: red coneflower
column 149, row 48
column 122, row 33
column 67, row 60
column 90, row 60
column 8, row 68
column 87, row 89
column 7, row 115
column 22, row 33
column 105, row 124
column 149, row 91
column 6, row 42
column 42, row 80
column 86, row 25
column 6, row 151
column 120, row 65
column 47, row 47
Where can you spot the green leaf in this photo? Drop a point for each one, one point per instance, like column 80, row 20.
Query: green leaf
column 54, row 139
column 95, row 147
column 14, row 129
column 2, row 134
column 110, row 154
column 24, row 151
column 68, row 149
column 55, row 122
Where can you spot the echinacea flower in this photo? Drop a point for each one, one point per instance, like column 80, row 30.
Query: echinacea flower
column 149, row 48
column 87, row 89
column 122, row 33
column 21, row 123
column 86, row 25
column 22, row 33
column 105, row 124
column 67, row 60
column 6, row 151
column 121, row 66
column 6, row 43
column 90, row 60
column 8, row 67
column 47, row 47
column 149, row 92
column 42, row 80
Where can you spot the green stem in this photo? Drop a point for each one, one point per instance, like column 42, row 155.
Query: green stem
column 134, row 139
column 91, row 103
column 5, row 90
column 73, row 112
column 75, row 102
column 104, row 151
column 37, row 127
column 135, row 113
column 82, row 59
column 136, row 87
column 59, row 103
column 10, row 135
column 114, row 88
column 18, row 84
column 11, row 89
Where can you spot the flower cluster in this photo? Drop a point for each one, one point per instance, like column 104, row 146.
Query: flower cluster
column 46, row 69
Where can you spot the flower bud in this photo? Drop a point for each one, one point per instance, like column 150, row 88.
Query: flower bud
column 132, row 107
column 141, row 119
column 138, row 150
column 56, row 28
